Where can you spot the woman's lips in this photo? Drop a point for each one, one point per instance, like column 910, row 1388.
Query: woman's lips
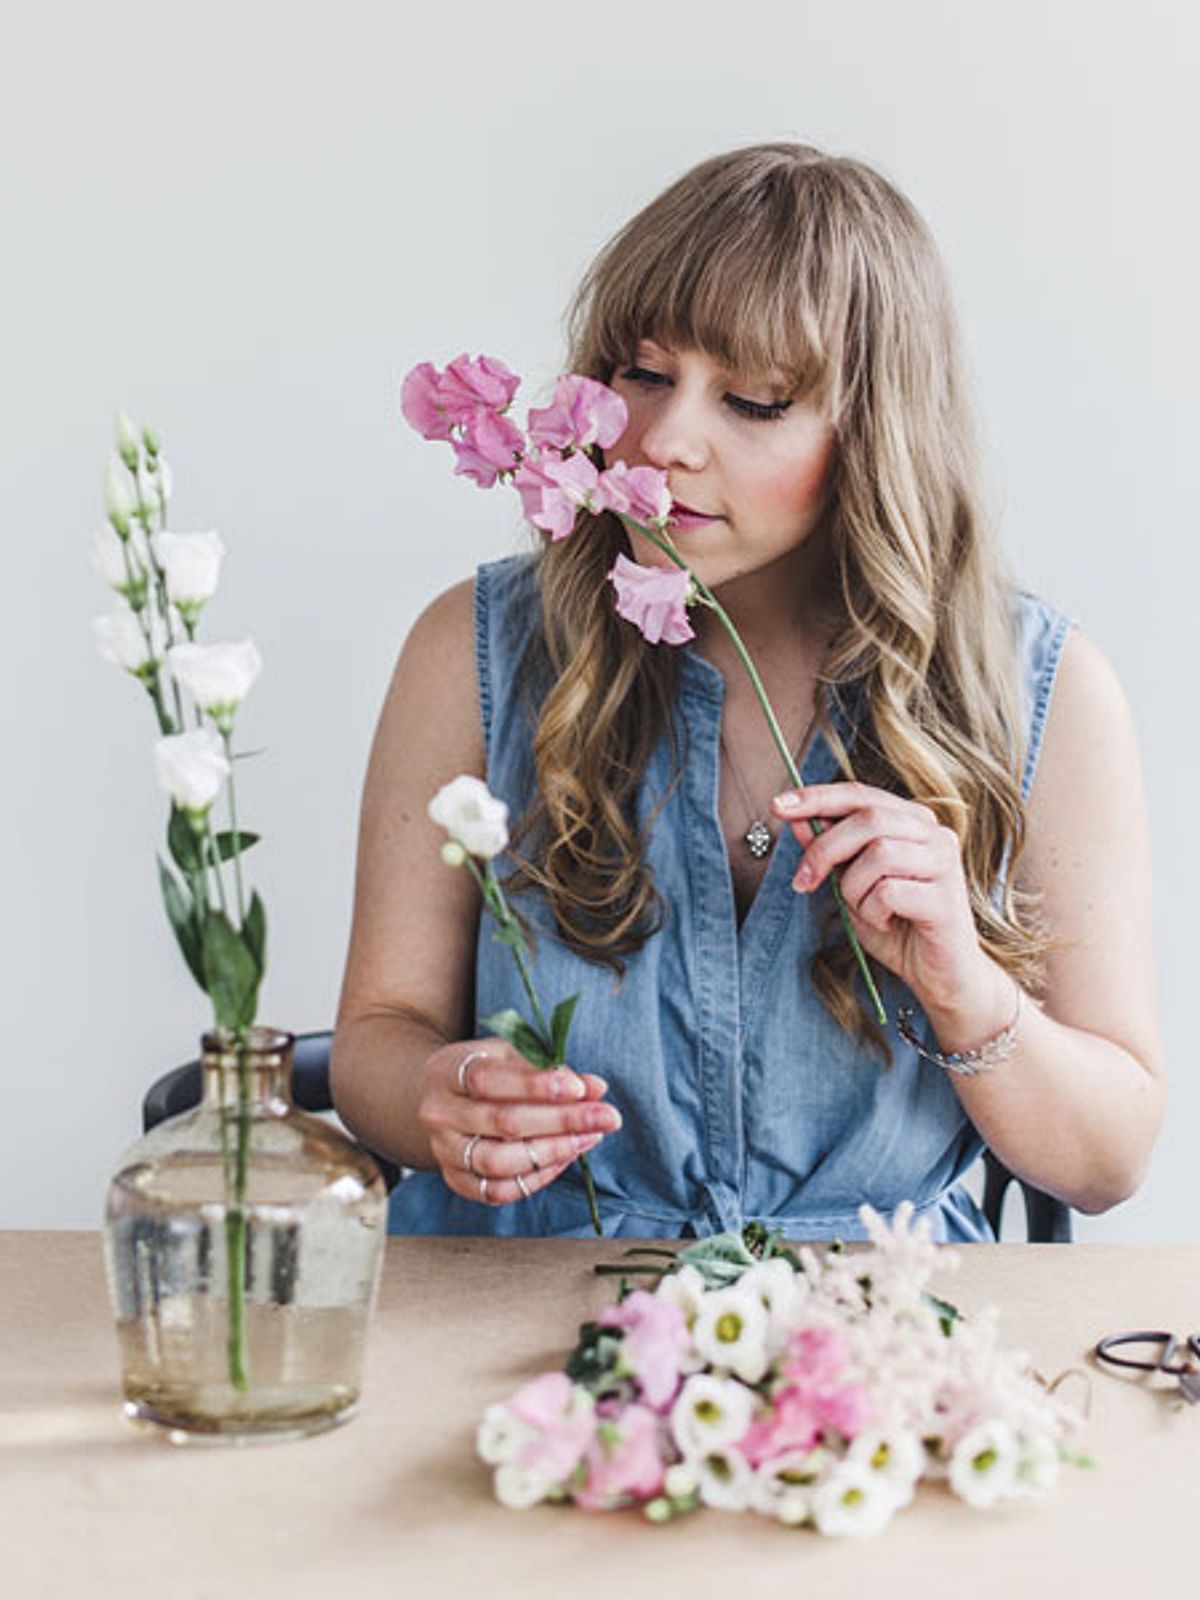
column 685, row 517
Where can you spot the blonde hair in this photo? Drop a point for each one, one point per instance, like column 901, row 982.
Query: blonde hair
column 779, row 256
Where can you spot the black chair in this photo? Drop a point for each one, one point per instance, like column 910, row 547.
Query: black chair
column 179, row 1090
column 1047, row 1220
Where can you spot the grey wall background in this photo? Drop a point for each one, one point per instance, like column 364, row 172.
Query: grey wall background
column 245, row 221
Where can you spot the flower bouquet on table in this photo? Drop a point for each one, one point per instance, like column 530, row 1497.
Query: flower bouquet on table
column 815, row 1389
column 243, row 1238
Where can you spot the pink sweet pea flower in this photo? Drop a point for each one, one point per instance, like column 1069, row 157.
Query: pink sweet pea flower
column 490, row 444
column 572, row 484
column 655, row 1343
column 792, row 1424
column 422, row 403
column 639, row 493
column 816, row 1354
column 582, row 413
column 531, row 479
column 469, row 385
column 542, row 1402
column 846, row 1408
column 652, row 598
column 624, row 1460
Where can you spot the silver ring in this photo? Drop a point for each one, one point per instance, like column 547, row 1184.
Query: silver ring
column 534, row 1164
column 483, row 1191
column 468, row 1156
column 464, row 1086
column 523, row 1186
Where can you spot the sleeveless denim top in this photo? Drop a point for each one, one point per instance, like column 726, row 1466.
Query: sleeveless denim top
column 742, row 1099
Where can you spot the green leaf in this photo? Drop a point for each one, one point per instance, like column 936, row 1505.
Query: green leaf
column 181, row 913
column 231, row 972
column 229, row 844
column 511, row 1025
column 254, row 933
column 183, row 844
column 560, row 1026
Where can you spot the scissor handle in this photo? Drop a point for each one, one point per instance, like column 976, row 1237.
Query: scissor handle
column 1104, row 1350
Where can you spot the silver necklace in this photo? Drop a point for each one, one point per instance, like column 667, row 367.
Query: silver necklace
column 758, row 838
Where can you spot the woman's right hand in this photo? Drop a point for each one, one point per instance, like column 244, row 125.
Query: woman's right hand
column 500, row 1128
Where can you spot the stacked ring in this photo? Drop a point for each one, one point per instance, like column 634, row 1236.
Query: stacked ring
column 464, row 1084
column 483, row 1191
column 468, row 1155
column 523, row 1186
column 534, row 1164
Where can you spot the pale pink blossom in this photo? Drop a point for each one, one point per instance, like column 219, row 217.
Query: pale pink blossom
column 792, row 1424
column 655, row 1343
column 624, row 1460
column 422, row 403
column 531, row 480
column 490, row 444
column 582, row 413
column 639, row 493
column 572, row 486
column 816, row 1354
column 653, row 599
column 542, row 1402
column 469, row 384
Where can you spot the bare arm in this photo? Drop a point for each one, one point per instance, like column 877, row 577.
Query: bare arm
column 406, row 1011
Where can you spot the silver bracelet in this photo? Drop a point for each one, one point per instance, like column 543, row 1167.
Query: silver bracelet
column 966, row 1063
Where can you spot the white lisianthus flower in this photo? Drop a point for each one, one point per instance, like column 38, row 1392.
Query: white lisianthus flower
column 472, row 816
column 217, row 676
column 518, row 1487
column 126, row 439
column 783, row 1486
column 983, row 1468
column 109, row 560
column 1038, row 1467
column 726, row 1479
column 119, row 639
column 895, row 1457
column 118, row 502
column 730, row 1332
column 783, row 1292
column 191, row 564
column 501, row 1435
column 852, row 1502
column 191, row 767
column 711, row 1413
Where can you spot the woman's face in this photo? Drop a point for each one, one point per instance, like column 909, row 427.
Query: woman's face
column 747, row 464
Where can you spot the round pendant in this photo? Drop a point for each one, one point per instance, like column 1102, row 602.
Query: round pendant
column 758, row 840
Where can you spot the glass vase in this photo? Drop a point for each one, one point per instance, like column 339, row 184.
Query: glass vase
column 243, row 1242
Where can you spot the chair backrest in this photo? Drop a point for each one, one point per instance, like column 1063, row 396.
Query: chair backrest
column 1047, row 1220
column 179, row 1090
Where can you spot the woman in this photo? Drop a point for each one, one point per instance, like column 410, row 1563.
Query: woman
column 778, row 325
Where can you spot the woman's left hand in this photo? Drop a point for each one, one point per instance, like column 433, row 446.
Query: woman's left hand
column 903, row 883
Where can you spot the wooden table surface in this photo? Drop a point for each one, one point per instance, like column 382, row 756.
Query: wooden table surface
column 394, row 1504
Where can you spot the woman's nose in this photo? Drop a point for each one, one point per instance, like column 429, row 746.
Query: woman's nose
column 673, row 434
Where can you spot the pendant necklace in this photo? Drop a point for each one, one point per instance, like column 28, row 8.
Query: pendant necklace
column 758, row 838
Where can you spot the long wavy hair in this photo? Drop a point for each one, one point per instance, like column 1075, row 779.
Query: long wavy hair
column 779, row 256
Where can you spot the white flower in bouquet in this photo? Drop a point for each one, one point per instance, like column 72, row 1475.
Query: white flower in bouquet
column 710, row 1413
column 726, row 1479
column 501, row 1435
column 472, row 816
column 783, row 1485
column 519, row 1487
column 121, row 639
column 783, row 1293
column 217, row 676
column 118, row 565
column 681, row 1480
column 896, row 1458
column 191, row 767
column 984, row 1464
column 852, row 1502
column 127, row 440
column 191, row 565
column 730, row 1332
column 119, row 503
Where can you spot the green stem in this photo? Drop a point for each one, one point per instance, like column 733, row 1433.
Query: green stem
column 663, row 543
column 235, row 1225
column 237, row 846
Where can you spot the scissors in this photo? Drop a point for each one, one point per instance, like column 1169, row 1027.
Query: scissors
column 1187, row 1370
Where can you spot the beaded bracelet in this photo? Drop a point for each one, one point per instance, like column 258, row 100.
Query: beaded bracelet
column 966, row 1063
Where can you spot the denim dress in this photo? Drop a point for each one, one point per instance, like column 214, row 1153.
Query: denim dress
column 742, row 1099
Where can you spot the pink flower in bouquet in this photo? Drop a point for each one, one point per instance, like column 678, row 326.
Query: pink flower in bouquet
column 564, row 1420
column 655, row 1343
column 624, row 1460
column 582, row 413
column 846, row 1408
column 490, row 444
column 792, row 1424
column 640, row 493
column 816, row 1354
column 652, row 598
column 468, row 385
column 422, row 403
column 572, row 482
column 542, row 1402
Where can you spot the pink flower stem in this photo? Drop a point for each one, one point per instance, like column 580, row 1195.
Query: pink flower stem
column 662, row 541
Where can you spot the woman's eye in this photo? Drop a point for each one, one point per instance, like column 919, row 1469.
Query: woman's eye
column 645, row 375
column 756, row 408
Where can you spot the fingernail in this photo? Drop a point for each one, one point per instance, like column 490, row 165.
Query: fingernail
column 803, row 881
column 584, row 1142
column 788, row 803
column 565, row 1085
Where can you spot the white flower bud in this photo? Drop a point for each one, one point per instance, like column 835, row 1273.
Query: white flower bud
column 217, row 676
column 125, row 435
column 472, row 816
column 108, row 558
column 191, row 767
column 453, row 853
column 118, row 502
column 119, row 639
column 191, row 564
